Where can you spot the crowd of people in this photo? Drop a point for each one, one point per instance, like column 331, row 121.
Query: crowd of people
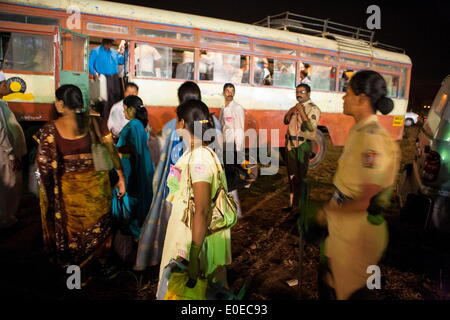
column 104, row 189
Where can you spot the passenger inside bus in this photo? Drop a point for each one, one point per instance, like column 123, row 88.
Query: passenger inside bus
column 304, row 77
column 284, row 74
column 221, row 67
column 103, row 62
column 147, row 61
column 322, row 77
column 245, row 68
column 206, row 65
column 263, row 75
column 185, row 70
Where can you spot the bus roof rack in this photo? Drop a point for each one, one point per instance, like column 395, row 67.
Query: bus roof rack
column 323, row 28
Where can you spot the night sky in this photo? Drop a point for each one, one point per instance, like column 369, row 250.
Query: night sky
column 422, row 28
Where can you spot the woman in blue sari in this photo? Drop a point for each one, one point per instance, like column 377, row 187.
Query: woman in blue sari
column 131, row 210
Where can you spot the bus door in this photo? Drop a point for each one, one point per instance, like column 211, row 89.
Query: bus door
column 74, row 61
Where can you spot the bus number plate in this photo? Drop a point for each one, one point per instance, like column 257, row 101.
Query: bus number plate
column 397, row 121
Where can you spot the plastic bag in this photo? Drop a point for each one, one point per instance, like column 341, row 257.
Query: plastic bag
column 177, row 289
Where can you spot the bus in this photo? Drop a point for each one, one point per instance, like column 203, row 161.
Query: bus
column 44, row 44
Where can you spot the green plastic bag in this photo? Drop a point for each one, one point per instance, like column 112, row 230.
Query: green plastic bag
column 177, row 289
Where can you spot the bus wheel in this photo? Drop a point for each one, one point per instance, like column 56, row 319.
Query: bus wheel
column 319, row 148
column 409, row 122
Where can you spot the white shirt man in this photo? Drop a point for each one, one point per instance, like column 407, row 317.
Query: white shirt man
column 147, row 56
column 117, row 120
column 12, row 149
column 232, row 118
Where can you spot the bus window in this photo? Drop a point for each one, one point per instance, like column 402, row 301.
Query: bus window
column 223, row 67
column 357, row 62
column 387, row 67
column 165, row 34
column 163, row 62
column 26, row 52
column 284, row 74
column 263, row 71
column 402, row 89
column 321, row 56
column 12, row 17
column 391, row 85
column 182, row 64
column 276, row 50
column 322, row 77
column 226, row 42
column 92, row 26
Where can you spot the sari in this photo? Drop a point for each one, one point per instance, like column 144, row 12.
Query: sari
column 131, row 210
column 154, row 228
column 75, row 202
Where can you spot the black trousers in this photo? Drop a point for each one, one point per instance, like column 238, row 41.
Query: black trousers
column 114, row 89
column 298, row 170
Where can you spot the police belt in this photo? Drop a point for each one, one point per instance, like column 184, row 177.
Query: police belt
column 373, row 209
column 296, row 138
column 339, row 197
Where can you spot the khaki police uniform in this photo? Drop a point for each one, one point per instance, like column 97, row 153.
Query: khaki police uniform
column 298, row 148
column 358, row 239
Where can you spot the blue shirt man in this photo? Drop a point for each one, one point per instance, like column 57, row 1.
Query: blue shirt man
column 103, row 60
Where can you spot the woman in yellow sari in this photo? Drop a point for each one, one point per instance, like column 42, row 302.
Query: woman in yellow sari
column 75, row 199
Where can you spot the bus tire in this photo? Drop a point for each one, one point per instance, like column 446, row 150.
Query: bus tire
column 409, row 122
column 319, row 149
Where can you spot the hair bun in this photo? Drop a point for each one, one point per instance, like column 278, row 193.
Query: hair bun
column 384, row 105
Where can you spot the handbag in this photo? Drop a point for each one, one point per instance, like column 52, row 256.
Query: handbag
column 100, row 154
column 223, row 214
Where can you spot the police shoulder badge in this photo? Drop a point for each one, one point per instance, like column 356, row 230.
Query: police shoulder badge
column 369, row 158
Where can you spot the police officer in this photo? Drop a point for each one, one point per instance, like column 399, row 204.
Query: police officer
column 367, row 168
column 302, row 120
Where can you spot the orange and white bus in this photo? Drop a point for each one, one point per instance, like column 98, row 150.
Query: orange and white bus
column 46, row 43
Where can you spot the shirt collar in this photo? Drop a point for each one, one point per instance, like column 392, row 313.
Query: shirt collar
column 365, row 121
column 229, row 105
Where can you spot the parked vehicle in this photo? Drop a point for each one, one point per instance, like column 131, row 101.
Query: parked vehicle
column 206, row 50
column 411, row 118
column 424, row 185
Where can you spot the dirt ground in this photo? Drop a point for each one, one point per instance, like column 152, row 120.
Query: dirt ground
column 265, row 246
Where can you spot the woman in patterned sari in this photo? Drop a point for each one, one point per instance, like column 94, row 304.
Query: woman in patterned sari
column 75, row 199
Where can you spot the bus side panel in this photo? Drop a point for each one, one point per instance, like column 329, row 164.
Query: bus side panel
column 33, row 111
column 338, row 125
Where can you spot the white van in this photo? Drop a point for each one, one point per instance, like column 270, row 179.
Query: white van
column 424, row 185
